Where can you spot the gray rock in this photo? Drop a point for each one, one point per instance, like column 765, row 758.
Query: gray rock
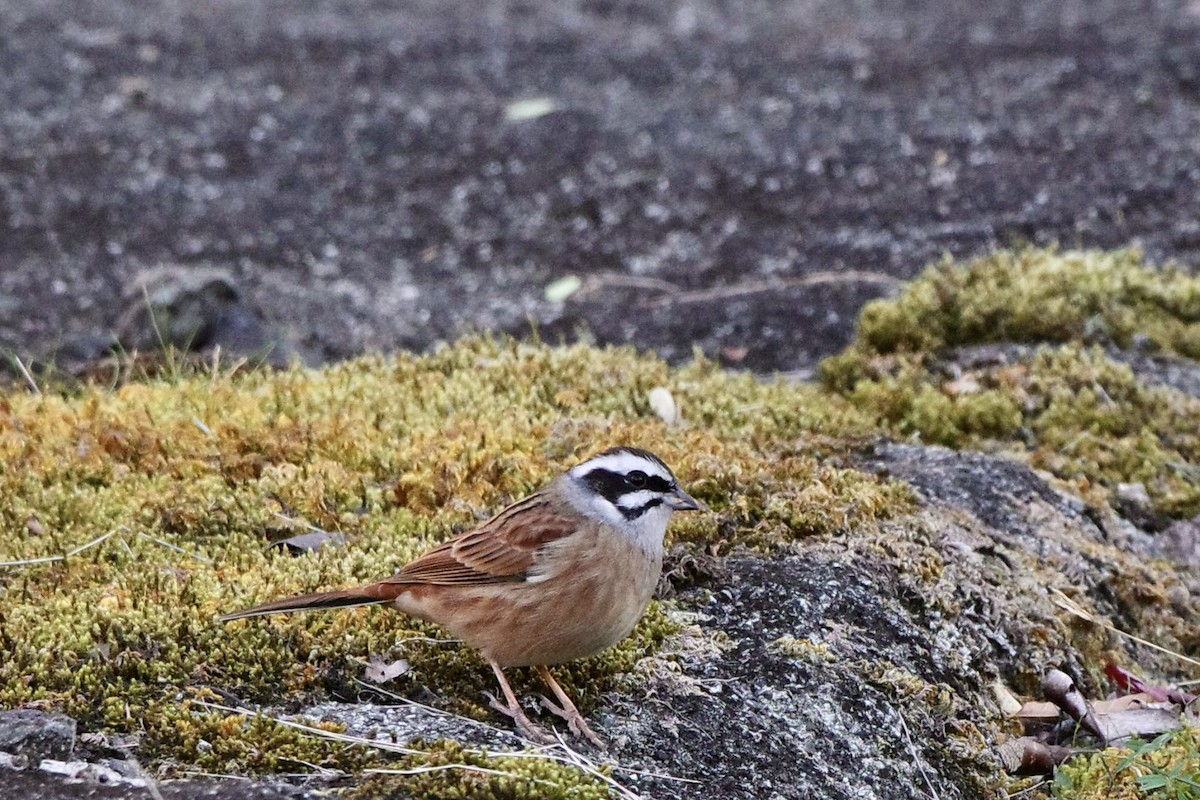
column 37, row 734
column 196, row 308
column 995, row 491
column 1180, row 542
column 33, row 785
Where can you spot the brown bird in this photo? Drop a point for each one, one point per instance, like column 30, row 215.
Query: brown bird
column 560, row 575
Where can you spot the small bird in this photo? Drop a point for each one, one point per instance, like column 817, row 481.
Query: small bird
column 560, row 575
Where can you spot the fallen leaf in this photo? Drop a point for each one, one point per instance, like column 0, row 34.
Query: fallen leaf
column 530, row 108
column 378, row 671
column 559, row 290
column 663, row 404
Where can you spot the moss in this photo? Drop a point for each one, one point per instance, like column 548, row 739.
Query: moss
column 803, row 649
column 1071, row 411
column 1168, row 767
column 447, row 771
column 193, row 473
column 1039, row 295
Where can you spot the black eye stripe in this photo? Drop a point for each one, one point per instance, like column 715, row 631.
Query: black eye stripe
column 656, row 484
column 606, row 483
column 612, row 486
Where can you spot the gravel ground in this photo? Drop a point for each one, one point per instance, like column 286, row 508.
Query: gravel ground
column 734, row 176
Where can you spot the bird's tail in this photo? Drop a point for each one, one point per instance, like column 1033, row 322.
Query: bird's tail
column 367, row 595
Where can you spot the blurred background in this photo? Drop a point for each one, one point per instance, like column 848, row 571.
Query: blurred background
column 315, row 180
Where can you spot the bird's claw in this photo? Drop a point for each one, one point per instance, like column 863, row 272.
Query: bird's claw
column 525, row 726
column 575, row 721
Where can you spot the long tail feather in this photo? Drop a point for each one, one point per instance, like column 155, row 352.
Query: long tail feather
column 367, row 595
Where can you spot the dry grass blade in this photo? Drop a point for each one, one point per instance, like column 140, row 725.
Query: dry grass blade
column 1071, row 607
column 414, row 704
column 912, row 748
column 443, row 767
column 324, row 734
column 26, row 374
column 174, row 547
column 25, row 562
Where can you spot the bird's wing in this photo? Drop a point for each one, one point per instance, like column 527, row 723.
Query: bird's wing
column 502, row 549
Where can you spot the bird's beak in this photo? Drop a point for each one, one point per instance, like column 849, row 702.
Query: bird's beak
column 679, row 500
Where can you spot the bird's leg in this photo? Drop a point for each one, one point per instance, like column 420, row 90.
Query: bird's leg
column 567, row 710
column 513, row 710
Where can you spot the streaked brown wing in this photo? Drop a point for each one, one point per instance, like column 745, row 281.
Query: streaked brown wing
column 501, row 549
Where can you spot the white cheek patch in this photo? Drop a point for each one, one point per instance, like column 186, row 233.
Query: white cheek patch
column 635, row 500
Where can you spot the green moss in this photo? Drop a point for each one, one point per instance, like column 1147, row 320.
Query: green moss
column 1071, row 411
column 1039, row 295
column 193, row 474
column 1168, row 768
column 447, row 771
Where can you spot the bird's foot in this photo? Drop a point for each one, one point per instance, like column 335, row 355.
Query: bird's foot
column 575, row 721
column 526, row 727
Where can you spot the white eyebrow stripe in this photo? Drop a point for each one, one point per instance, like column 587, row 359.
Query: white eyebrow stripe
column 623, row 464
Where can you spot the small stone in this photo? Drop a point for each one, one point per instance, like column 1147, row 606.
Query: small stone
column 1133, row 493
column 310, row 542
column 16, row 763
column 1134, row 503
column 1180, row 542
column 37, row 734
column 662, row 403
column 196, row 308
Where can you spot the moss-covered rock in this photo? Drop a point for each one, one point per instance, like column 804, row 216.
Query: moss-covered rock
column 165, row 491
column 1070, row 409
column 189, row 476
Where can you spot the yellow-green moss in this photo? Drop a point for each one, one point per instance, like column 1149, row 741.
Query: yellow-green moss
column 1167, row 767
column 193, row 473
column 803, row 649
column 1071, row 411
column 446, row 771
column 1039, row 295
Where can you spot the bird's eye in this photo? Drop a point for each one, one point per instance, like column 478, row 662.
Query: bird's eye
column 636, row 479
